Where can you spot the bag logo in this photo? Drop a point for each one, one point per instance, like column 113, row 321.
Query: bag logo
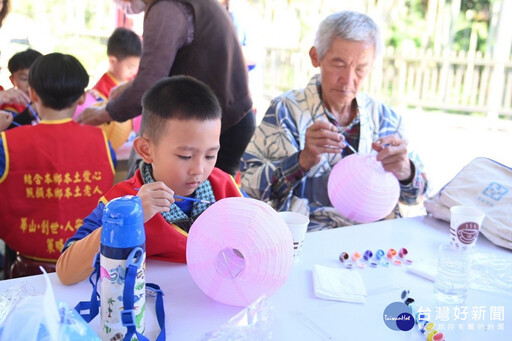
column 495, row 191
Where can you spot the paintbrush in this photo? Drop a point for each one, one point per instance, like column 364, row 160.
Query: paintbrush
column 188, row 198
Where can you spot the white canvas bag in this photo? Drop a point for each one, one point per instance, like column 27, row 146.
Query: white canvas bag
column 486, row 184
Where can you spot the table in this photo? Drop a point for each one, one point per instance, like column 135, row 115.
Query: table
column 299, row 315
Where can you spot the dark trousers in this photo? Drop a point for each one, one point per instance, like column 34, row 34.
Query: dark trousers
column 233, row 143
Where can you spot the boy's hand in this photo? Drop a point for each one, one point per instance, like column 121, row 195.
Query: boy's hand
column 5, row 119
column 392, row 152
column 13, row 96
column 156, row 197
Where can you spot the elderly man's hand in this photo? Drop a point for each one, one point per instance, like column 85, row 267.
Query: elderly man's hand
column 321, row 137
column 392, row 152
column 94, row 116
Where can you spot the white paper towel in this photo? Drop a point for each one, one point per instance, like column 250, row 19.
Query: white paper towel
column 338, row 284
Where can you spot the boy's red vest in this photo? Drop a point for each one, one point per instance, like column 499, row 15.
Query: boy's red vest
column 166, row 241
column 105, row 84
column 55, row 173
column 14, row 107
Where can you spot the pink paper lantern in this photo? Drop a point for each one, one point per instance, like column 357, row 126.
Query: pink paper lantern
column 90, row 100
column 238, row 250
column 137, row 120
column 361, row 190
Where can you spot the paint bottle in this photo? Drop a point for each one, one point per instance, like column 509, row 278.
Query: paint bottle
column 122, row 245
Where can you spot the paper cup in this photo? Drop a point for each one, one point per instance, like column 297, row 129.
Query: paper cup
column 298, row 225
column 465, row 223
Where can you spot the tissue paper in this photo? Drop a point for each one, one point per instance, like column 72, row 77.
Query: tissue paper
column 338, row 284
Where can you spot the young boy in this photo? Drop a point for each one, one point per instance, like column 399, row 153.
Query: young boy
column 181, row 120
column 123, row 49
column 51, row 174
column 19, row 65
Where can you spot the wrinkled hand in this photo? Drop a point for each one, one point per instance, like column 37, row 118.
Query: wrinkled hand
column 321, row 137
column 156, row 197
column 5, row 119
column 118, row 90
column 392, row 152
column 14, row 96
column 94, row 116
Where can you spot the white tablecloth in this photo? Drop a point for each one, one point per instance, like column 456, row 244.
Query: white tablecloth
column 298, row 315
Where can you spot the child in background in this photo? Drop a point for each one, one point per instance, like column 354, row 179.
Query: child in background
column 19, row 65
column 124, row 48
column 51, row 174
column 179, row 142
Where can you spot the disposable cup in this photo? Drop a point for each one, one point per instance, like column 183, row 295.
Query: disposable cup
column 465, row 223
column 298, row 225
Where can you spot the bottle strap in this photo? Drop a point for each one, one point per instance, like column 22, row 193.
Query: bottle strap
column 133, row 263
column 153, row 289
column 89, row 309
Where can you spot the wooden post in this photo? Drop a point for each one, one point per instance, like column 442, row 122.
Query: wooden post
column 501, row 53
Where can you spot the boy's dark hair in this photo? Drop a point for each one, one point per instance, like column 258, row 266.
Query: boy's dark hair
column 124, row 43
column 58, row 79
column 179, row 98
column 23, row 60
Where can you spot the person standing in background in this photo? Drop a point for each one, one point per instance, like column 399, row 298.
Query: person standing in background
column 5, row 7
column 195, row 38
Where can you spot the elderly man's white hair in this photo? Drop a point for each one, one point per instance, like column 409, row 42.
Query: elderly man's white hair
column 347, row 25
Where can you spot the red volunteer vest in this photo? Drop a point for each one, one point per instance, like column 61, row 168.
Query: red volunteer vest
column 55, row 173
column 14, row 107
column 166, row 241
column 105, row 84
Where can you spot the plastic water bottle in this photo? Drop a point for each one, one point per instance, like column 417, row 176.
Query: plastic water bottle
column 122, row 240
column 452, row 278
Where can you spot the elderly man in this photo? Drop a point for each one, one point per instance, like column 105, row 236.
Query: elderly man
column 289, row 159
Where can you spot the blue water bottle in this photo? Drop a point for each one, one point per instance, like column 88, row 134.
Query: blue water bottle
column 122, row 269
